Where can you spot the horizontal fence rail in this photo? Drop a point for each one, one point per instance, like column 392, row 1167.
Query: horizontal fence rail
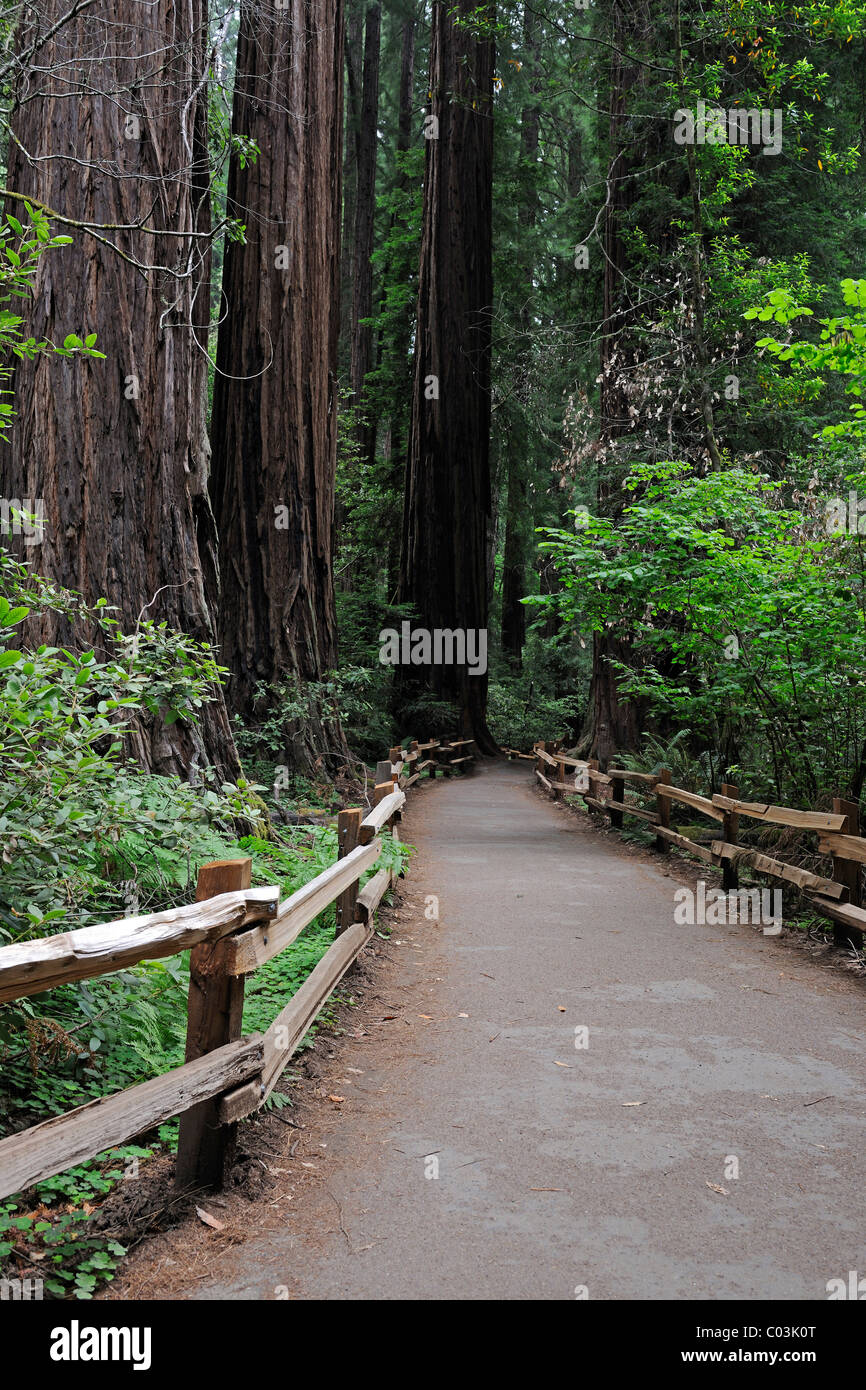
column 230, row 930
column 837, row 897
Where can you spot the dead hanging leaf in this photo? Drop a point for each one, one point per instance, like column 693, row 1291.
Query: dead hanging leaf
column 722, row 1191
column 336, row 1099
column 562, row 1064
column 209, row 1220
column 629, row 1104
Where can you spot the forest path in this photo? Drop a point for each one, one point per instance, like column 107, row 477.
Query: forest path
column 560, row 1167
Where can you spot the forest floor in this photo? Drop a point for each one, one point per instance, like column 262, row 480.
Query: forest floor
column 560, row 1168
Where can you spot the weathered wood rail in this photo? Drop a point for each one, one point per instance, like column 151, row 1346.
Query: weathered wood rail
column 837, row 897
column 231, row 930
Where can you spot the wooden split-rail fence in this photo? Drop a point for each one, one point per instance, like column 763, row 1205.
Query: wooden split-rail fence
column 837, row 897
column 230, row 930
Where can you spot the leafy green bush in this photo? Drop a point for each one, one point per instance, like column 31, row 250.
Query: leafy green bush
column 73, row 813
column 518, row 712
column 355, row 698
column 745, row 618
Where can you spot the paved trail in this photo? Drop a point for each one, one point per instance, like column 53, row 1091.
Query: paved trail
column 551, row 1175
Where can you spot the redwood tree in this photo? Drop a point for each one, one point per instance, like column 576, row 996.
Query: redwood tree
column 514, row 566
column 275, row 398
column 612, row 723
column 111, row 132
column 365, row 206
column 447, row 509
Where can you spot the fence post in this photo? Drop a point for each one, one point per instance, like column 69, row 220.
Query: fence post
column 384, row 789
column 591, row 767
column 215, row 1007
column 383, row 771
column 847, row 871
column 560, row 777
column 379, row 794
column 730, row 831
column 348, row 836
column 617, row 792
column 663, row 809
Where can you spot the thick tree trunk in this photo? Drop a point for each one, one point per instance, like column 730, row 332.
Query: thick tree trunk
column 365, row 208
column 447, row 507
column 118, row 449
column 275, row 396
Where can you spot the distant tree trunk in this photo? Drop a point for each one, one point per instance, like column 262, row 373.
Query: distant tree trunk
column 516, row 520
column 613, row 724
column 118, row 449
column 365, row 208
column 447, row 508
column 354, row 48
column 275, row 396
column 407, row 84
column 396, row 426
column 514, row 567
column 697, row 256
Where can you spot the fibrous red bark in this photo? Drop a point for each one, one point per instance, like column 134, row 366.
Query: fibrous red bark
column 275, row 397
column 111, row 128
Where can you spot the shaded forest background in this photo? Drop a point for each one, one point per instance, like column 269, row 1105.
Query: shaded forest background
column 320, row 317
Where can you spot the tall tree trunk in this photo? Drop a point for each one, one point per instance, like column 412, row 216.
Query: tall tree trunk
column 407, row 84
column 365, row 208
column 275, row 396
column 516, row 520
column 613, row 724
column 514, row 564
column 118, row 449
column 447, row 510
column 698, row 285
column 397, row 425
column 354, row 47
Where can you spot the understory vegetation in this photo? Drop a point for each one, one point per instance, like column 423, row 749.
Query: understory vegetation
column 88, row 837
